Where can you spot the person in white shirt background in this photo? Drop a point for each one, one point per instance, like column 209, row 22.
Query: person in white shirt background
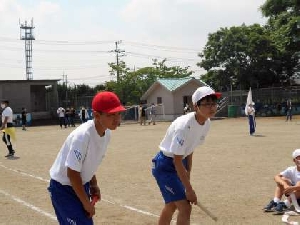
column 83, row 114
column 61, row 115
column 172, row 165
column 7, row 121
column 251, row 117
column 152, row 114
column 73, row 179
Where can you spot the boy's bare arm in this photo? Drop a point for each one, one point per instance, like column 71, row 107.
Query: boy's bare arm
column 76, row 182
column 4, row 123
column 279, row 180
column 189, row 159
column 183, row 175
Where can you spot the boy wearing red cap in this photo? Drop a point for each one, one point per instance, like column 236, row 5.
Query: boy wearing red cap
column 73, row 179
column 287, row 182
column 173, row 163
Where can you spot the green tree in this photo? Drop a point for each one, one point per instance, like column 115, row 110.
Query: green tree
column 163, row 71
column 240, row 56
column 284, row 26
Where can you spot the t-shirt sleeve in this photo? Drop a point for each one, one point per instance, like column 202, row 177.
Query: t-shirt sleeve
column 5, row 113
column 178, row 142
column 78, row 149
column 287, row 173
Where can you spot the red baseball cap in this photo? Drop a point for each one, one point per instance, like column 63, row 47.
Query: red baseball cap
column 107, row 102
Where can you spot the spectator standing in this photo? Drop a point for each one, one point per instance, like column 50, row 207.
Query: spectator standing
column 67, row 116
column 251, row 117
column 186, row 109
column 289, row 110
column 24, row 118
column 72, row 116
column 83, row 114
column 143, row 115
column 61, row 115
column 152, row 114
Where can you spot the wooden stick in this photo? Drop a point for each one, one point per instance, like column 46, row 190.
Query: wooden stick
column 212, row 216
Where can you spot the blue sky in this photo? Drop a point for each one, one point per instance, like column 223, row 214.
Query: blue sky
column 75, row 37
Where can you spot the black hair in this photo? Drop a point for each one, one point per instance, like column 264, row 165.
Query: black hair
column 208, row 97
column 5, row 101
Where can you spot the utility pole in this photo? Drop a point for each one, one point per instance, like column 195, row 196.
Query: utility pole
column 65, row 83
column 26, row 33
column 119, row 53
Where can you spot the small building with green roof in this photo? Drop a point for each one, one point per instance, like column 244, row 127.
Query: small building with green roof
column 171, row 95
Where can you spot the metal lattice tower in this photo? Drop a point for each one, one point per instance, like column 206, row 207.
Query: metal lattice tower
column 26, row 33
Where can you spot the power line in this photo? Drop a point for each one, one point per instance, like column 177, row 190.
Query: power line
column 131, row 43
column 162, row 47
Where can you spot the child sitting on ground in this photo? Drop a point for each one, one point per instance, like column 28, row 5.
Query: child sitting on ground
column 288, row 181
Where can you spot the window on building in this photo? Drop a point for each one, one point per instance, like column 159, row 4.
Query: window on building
column 159, row 100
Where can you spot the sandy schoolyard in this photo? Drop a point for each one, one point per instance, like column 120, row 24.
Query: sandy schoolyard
column 232, row 173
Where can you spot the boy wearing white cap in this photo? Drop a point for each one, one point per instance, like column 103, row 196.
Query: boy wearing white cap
column 288, row 181
column 73, row 178
column 173, row 163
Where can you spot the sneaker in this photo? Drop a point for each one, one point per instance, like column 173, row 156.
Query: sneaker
column 280, row 208
column 9, row 155
column 270, row 206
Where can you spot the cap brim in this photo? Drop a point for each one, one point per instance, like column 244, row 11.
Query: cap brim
column 117, row 109
column 217, row 94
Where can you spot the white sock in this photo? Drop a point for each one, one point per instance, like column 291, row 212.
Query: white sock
column 276, row 199
column 287, row 203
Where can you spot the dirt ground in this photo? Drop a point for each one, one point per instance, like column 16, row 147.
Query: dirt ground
column 232, row 173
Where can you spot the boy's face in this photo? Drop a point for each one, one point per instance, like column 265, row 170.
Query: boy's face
column 297, row 161
column 108, row 120
column 207, row 108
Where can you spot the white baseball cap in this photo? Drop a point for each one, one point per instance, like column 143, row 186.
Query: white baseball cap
column 202, row 92
column 296, row 153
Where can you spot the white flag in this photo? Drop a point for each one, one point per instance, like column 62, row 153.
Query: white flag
column 249, row 101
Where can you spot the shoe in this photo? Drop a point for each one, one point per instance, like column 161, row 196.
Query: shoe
column 280, row 208
column 270, row 206
column 9, row 155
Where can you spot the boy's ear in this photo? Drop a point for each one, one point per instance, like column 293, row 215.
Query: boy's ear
column 195, row 107
column 96, row 114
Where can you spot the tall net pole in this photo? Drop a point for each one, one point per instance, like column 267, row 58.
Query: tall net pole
column 26, row 33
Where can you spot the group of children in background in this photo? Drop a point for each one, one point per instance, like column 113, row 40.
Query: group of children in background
column 67, row 116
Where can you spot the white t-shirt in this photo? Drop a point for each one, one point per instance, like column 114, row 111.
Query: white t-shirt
column 292, row 174
column 250, row 110
column 61, row 112
column 7, row 112
column 82, row 151
column 184, row 135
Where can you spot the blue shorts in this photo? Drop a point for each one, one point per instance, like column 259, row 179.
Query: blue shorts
column 68, row 208
column 170, row 185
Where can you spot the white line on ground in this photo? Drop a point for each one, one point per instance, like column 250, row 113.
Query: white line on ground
column 37, row 209
column 114, row 203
